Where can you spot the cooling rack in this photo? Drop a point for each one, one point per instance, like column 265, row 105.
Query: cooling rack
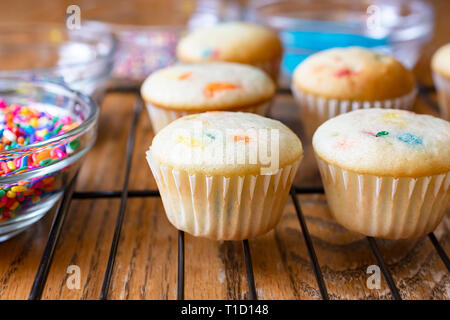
column 124, row 193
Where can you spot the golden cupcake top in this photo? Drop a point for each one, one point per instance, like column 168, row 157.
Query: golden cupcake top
column 440, row 62
column 353, row 74
column 232, row 41
column 208, row 86
column 226, row 143
column 385, row 142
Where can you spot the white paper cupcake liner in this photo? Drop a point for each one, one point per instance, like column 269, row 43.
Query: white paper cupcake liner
column 315, row 110
column 443, row 89
column 220, row 207
column 385, row 207
column 161, row 117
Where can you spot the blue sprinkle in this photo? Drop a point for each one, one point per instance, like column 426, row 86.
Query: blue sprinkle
column 29, row 130
column 24, row 162
column 207, row 53
column 410, row 138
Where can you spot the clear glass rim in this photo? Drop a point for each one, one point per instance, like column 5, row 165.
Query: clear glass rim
column 119, row 27
column 97, row 34
column 86, row 100
column 420, row 12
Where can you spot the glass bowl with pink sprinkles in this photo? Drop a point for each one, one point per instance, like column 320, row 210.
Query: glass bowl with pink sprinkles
column 45, row 130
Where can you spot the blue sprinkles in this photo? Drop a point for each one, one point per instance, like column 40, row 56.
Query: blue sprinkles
column 410, row 138
column 207, row 53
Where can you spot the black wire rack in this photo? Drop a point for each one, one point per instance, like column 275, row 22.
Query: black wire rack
column 69, row 194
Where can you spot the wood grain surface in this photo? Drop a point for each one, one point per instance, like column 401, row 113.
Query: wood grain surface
column 146, row 260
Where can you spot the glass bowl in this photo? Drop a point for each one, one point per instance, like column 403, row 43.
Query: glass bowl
column 148, row 35
column 82, row 59
column 141, row 51
column 27, row 194
column 399, row 28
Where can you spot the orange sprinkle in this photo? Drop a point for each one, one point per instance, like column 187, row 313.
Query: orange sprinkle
column 29, row 192
column 69, row 127
column 8, row 117
column 184, row 76
column 213, row 87
column 48, row 180
column 43, row 155
column 319, row 68
column 245, row 139
column 344, row 144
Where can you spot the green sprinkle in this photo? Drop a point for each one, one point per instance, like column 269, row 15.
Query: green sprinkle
column 56, row 130
column 2, row 193
column 45, row 161
column 209, row 135
column 74, row 144
column 382, row 133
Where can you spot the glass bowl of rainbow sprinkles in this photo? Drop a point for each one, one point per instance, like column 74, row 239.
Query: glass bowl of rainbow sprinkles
column 45, row 130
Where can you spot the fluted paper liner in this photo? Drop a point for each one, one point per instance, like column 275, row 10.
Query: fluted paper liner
column 220, row 207
column 161, row 117
column 315, row 110
column 385, row 207
column 443, row 89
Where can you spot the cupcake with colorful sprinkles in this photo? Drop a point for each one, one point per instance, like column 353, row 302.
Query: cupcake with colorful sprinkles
column 386, row 172
column 233, row 42
column 339, row 80
column 440, row 64
column 224, row 175
column 21, row 129
column 184, row 89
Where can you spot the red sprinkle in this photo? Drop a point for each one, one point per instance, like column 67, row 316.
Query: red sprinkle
column 344, row 73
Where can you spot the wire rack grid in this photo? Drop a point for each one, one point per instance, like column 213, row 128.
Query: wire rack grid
column 123, row 194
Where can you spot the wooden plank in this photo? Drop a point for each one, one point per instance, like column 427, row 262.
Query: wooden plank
column 146, row 261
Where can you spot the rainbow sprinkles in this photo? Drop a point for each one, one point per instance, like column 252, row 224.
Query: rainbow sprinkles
column 22, row 126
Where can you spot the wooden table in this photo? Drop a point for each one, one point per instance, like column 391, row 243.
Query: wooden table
column 146, row 260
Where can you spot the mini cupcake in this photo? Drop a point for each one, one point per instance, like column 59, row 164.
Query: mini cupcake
column 180, row 90
column 440, row 64
column 340, row 80
column 385, row 171
column 234, row 42
column 224, row 175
